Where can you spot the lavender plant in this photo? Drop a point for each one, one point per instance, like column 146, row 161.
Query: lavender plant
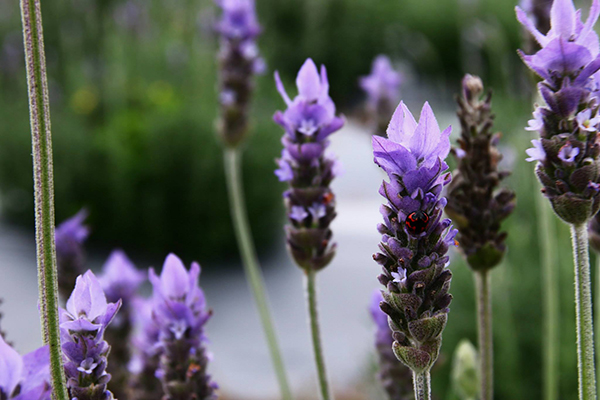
column 415, row 239
column 567, row 151
column 83, row 324
column 120, row 281
column 24, row 378
column 383, row 92
column 70, row 255
column 239, row 61
column 304, row 164
column 179, row 312
column 395, row 377
column 146, row 358
column 479, row 206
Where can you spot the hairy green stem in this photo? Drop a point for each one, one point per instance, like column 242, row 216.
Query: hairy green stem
column 583, row 312
column 550, row 289
column 39, row 111
column 251, row 265
column 485, row 337
column 422, row 385
column 313, row 316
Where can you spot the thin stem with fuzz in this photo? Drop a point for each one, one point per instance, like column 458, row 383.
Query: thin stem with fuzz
column 485, row 337
column 583, row 312
column 422, row 385
column 313, row 315
column 251, row 264
column 43, row 177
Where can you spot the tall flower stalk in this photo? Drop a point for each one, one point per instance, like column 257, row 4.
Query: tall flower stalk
column 415, row 239
column 478, row 206
column 308, row 169
column 43, row 178
column 239, row 62
column 567, row 151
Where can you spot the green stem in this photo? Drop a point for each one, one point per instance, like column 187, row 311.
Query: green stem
column 550, row 288
column 313, row 315
column 41, row 137
column 583, row 311
column 485, row 337
column 251, row 264
column 597, row 309
column 422, row 385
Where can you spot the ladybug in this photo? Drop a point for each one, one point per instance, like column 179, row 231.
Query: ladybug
column 417, row 222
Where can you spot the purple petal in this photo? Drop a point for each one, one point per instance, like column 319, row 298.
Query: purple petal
column 308, row 81
column 391, row 156
column 562, row 17
column 11, row 367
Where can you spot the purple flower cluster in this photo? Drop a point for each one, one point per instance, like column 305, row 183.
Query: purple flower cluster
column 567, row 151
column 395, row 377
column 179, row 313
column 85, row 351
column 24, row 378
column 70, row 256
column 120, row 281
column 383, row 91
column 308, row 121
column 415, row 238
column 239, row 61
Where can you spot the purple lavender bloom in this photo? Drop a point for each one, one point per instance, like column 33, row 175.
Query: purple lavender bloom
column 383, row 91
column 82, row 325
column 395, row 377
column 567, row 152
column 24, row 378
column 146, row 358
column 308, row 121
column 120, row 280
column 239, row 60
column 70, row 255
column 415, row 238
column 179, row 311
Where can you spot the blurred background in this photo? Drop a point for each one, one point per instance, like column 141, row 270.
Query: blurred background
column 133, row 101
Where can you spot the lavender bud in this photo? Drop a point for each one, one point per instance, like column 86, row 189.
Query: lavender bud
column 413, row 157
column 239, row 61
column 70, row 255
column 82, row 325
column 475, row 202
column 305, row 165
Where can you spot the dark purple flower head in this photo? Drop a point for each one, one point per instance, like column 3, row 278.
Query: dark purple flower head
column 70, row 256
column 24, row 378
column 395, row 377
column 383, row 83
column 415, row 238
column 179, row 311
column 307, row 167
column 120, row 279
column 567, row 152
column 82, row 325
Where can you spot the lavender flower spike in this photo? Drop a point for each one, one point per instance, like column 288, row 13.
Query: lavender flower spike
column 395, row 377
column 179, row 311
column 308, row 121
column 24, row 378
column 567, row 160
column 82, row 325
column 415, row 238
column 239, row 62
column 120, row 281
column 383, row 91
column 70, row 256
